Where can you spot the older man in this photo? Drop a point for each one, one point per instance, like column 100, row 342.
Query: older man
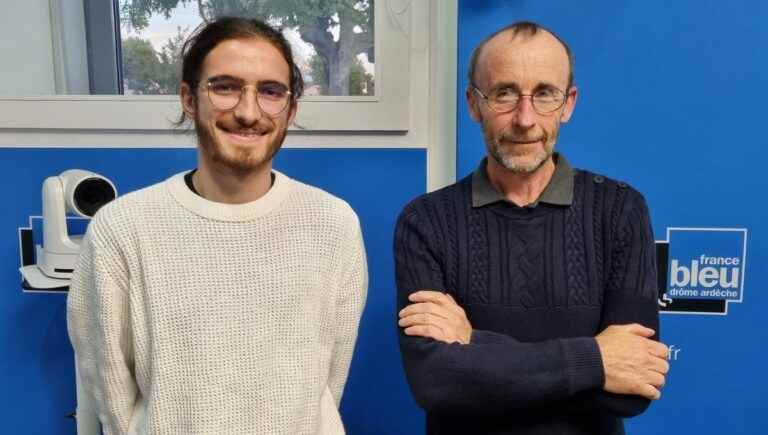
column 528, row 289
column 224, row 300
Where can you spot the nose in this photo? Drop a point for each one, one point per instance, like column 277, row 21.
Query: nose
column 525, row 114
column 247, row 111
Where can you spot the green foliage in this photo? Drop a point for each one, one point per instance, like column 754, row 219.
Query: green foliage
column 298, row 13
column 155, row 72
column 319, row 71
column 288, row 13
column 146, row 71
column 136, row 13
column 140, row 66
column 360, row 82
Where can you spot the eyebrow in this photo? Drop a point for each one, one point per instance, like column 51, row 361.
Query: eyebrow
column 225, row 77
column 512, row 85
column 505, row 85
column 273, row 82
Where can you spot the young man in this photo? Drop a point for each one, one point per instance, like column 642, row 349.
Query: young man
column 528, row 289
column 225, row 299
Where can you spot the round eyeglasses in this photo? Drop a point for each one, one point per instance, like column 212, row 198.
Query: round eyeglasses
column 545, row 100
column 271, row 97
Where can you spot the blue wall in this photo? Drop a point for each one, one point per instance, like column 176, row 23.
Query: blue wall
column 672, row 100
column 37, row 371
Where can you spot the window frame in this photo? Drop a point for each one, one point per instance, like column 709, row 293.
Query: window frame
column 387, row 111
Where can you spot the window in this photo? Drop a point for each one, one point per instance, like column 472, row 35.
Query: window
column 333, row 42
column 113, row 64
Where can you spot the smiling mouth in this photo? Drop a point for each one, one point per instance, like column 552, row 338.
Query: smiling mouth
column 244, row 135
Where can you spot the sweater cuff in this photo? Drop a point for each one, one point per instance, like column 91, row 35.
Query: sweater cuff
column 487, row 337
column 584, row 364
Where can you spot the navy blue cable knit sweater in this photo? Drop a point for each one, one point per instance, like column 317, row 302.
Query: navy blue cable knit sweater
column 537, row 285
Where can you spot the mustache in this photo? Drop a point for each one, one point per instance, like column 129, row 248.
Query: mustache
column 259, row 126
column 522, row 138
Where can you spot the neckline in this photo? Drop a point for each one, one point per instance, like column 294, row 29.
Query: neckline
column 200, row 206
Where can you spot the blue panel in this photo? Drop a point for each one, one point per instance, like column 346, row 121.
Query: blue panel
column 671, row 100
column 37, row 364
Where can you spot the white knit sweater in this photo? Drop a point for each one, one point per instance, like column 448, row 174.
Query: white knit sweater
column 194, row 317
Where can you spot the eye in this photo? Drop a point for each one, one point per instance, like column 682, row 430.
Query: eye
column 225, row 87
column 273, row 91
column 547, row 94
column 506, row 94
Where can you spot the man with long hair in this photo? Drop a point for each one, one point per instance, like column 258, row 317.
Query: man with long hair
column 225, row 299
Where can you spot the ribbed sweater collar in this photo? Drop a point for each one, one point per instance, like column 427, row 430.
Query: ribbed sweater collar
column 276, row 195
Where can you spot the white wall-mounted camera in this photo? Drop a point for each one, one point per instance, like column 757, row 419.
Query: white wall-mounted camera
column 75, row 191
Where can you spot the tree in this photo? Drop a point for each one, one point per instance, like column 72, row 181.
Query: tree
column 140, row 66
column 360, row 81
column 315, row 20
column 170, row 56
column 319, row 71
column 146, row 71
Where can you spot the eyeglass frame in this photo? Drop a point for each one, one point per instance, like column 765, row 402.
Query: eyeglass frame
column 487, row 100
column 243, row 86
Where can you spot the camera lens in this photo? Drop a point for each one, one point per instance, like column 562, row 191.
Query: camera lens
column 91, row 194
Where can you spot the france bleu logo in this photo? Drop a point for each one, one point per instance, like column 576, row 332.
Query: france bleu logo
column 701, row 270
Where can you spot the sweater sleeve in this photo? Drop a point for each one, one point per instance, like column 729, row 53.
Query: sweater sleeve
column 352, row 293
column 631, row 294
column 98, row 320
column 493, row 373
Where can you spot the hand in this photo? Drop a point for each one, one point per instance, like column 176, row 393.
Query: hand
column 435, row 315
column 633, row 363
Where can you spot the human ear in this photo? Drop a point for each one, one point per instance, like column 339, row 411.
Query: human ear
column 472, row 104
column 188, row 100
column 570, row 104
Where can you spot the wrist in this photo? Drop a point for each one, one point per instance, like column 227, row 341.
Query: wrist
column 584, row 362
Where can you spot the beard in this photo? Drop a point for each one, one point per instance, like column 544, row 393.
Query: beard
column 238, row 159
column 502, row 149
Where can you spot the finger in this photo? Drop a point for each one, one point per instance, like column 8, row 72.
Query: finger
column 418, row 319
column 448, row 333
column 638, row 329
column 423, row 295
column 658, row 365
column 416, row 308
column 415, row 319
column 427, row 307
column 658, row 349
column 426, row 331
column 655, row 379
column 649, row 392
column 429, row 296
